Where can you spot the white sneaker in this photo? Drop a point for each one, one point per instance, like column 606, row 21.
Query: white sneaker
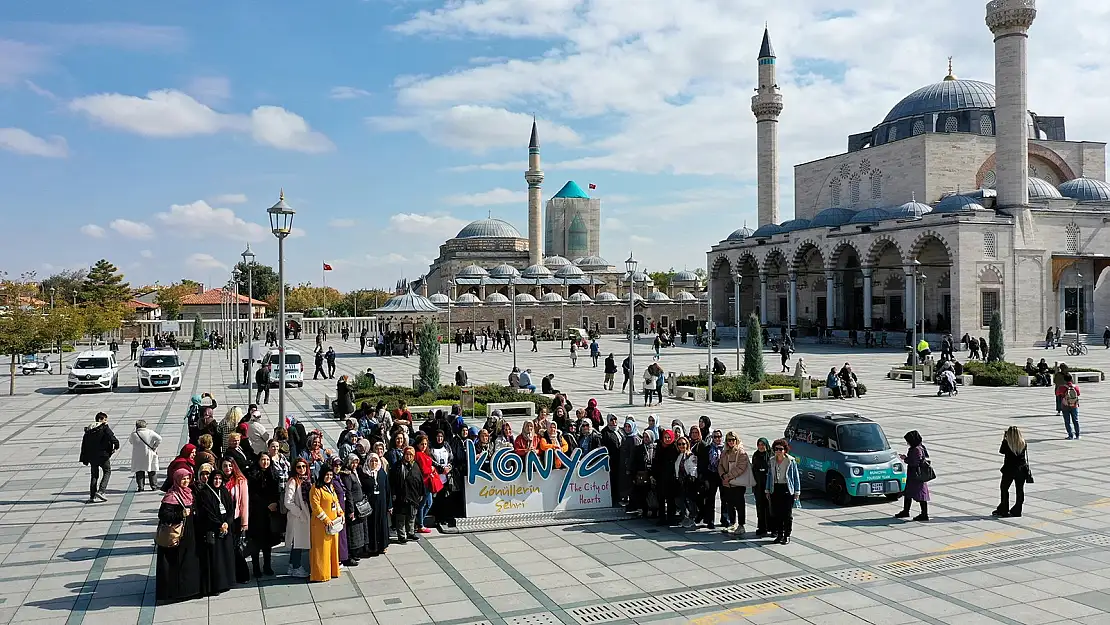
column 728, row 529
column 297, row 572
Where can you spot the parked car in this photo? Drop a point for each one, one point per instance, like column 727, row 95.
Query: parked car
column 845, row 455
column 294, row 367
column 94, row 370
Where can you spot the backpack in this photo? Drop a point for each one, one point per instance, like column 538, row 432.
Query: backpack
column 193, row 416
column 1071, row 397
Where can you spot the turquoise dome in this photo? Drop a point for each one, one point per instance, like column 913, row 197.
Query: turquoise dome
column 832, row 217
column 957, row 204
column 572, row 190
column 870, row 216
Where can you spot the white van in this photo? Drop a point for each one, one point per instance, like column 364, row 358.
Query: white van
column 294, row 367
column 94, row 370
column 159, row 368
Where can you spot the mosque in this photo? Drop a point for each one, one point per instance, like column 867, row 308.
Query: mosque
column 960, row 191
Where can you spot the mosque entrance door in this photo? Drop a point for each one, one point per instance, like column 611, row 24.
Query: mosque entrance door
column 1075, row 315
column 639, row 324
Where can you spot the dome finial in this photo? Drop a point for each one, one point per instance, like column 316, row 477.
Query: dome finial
column 913, row 196
column 950, row 76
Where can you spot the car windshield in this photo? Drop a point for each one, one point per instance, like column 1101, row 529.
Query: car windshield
column 158, row 361
column 290, row 359
column 861, row 437
column 91, row 363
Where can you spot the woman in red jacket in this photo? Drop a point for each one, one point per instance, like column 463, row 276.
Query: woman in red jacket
column 528, row 440
column 432, row 482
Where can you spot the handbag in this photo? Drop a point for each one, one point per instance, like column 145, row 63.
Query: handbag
column 1028, row 471
column 363, row 508
column 923, row 472
column 334, row 527
column 746, row 479
column 169, row 535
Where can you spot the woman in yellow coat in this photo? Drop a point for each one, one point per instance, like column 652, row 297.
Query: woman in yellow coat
column 324, row 553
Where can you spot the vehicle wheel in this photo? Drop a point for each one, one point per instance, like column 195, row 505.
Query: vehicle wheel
column 26, row 373
column 837, row 490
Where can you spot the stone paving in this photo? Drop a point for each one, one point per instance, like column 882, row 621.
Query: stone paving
column 62, row 561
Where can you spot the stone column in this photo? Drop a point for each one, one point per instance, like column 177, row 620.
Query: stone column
column 1010, row 20
column 907, row 299
column 830, row 302
column 867, row 271
column 763, row 298
column 792, row 303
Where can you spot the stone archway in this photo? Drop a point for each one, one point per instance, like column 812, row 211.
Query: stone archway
column 846, row 267
column 720, row 289
column 812, row 308
column 888, row 305
column 776, row 269
column 749, row 289
column 934, row 300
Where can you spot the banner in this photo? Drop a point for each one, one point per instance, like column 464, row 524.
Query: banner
column 170, row 327
column 507, row 483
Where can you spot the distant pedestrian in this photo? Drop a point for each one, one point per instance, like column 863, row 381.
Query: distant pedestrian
column 98, row 445
column 595, row 351
column 330, row 357
column 1015, row 470
column 534, row 348
column 318, row 361
column 1069, row 405
column 262, row 381
column 134, row 348
column 610, row 372
column 460, row 377
column 573, row 355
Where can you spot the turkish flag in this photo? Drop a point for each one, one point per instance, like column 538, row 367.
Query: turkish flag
column 592, row 186
column 327, row 267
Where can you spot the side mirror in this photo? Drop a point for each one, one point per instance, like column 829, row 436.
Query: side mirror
column 69, row 366
column 136, row 365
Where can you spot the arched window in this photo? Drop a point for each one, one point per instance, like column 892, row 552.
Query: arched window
column 877, row 185
column 986, row 126
column 892, row 134
column 990, row 249
column 853, row 189
column 918, row 127
column 990, row 179
column 1072, row 232
column 865, row 166
column 834, row 192
column 845, row 170
column 951, row 124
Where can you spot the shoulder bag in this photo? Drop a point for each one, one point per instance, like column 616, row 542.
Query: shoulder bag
column 363, row 508
column 923, row 472
column 334, row 527
column 1028, row 471
column 169, row 535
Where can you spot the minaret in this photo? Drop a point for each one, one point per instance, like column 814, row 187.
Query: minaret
column 534, row 176
column 1010, row 20
column 767, row 104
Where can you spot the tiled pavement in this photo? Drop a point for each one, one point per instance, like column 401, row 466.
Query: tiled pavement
column 64, row 561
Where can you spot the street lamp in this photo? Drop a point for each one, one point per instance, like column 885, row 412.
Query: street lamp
column 512, row 296
column 709, row 325
column 736, row 277
column 630, row 265
column 235, row 275
column 52, row 289
column 248, row 262
column 913, row 320
column 1078, row 304
column 450, row 298
column 562, row 318
column 281, row 224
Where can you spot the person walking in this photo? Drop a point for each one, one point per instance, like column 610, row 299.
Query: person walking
column 460, row 377
column 362, row 341
column 783, row 490
column 610, row 373
column 574, row 355
column 262, row 381
column 144, row 454
column 1015, row 470
column 98, row 445
column 784, row 354
column 534, row 348
column 1068, row 395
column 595, row 351
column 329, row 356
column 626, row 366
column 918, row 473
column 649, row 385
column 318, row 362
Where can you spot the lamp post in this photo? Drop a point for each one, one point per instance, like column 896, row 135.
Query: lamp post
column 736, row 277
column 630, row 265
column 281, row 223
column 450, row 300
column 913, row 320
column 921, row 307
column 562, row 319
column 1078, row 304
column 512, row 294
column 248, row 262
column 709, row 334
column 52, row 289
column 236, row 275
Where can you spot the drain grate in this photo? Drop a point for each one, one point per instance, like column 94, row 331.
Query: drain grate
column 686, row 601
column 636, row 608
column 768, row 588
column 603, row 613
column 1101, row 540
column 539, row 618
column 899, row 569
column 807, row 583
column 990, row 555
column 729, row 594
column 937, row 564
column 486, row 623
column 855, row 576
column 972, row 559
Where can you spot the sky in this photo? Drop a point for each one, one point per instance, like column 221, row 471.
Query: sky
column 156, row 134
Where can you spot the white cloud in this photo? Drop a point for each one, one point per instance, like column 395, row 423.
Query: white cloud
column 230, row 198
column 507, row 166
column 493, row 196
column 342, row 223
column 146, row 253
column 476, row 128
column 204, row 262
column 200, row 220
column 37, row 90
column 347, row 93
column 210, row 89
column 19, row 60
column 171, row 113
column 435, row 227
column 391, row 258
column 22, row 142
column 132, row 229
column 94, row 231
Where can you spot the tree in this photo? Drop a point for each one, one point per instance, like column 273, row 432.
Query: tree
column 198, row 331
column 104, row 285
column 427, row 336
column 169, row 298
column 996, row 350
column 264, row 280
column 103, row 318
column 753, row 351
column 23, row 328
column 662, row 279
column 368, row 299
column 305, row 297
column 64, row 283
column 65, row 324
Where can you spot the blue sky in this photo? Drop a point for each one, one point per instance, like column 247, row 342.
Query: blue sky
column 156, row 135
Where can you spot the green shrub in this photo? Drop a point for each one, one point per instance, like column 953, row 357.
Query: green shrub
column 198, row 330
column 427, row 336
column 447, row 395
column 996, row 351
column 753, row 351
column 999, row 373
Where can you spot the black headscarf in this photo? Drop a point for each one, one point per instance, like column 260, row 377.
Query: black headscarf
column 913, row 438
column 434, row 442
column 705, row 424
column 324, row 470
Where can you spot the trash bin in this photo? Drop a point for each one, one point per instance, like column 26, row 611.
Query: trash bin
column 806, row 387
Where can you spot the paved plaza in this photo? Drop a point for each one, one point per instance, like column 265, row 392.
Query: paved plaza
column 62, row 561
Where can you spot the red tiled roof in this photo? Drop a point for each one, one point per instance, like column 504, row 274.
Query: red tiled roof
column 215, row 297
column 137, row 305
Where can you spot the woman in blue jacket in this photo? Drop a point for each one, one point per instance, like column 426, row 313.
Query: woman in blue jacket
column 784, row 487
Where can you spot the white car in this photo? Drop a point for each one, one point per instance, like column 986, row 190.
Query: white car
column 294, row 367
column 94, row 370
column 159, row 368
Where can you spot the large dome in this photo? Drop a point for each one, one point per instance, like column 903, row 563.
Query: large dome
column 1086, row 190
column 495, row 228
column 946, row 95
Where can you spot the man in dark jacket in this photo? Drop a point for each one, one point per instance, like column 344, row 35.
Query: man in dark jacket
column 460, row 377
column 318, row 361
column 610, row 372
column 97, row 447
column 262, row 381
column 330, row 357
column 407, row 488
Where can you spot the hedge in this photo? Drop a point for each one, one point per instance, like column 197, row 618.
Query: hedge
column 1004, row 373
column 738, row 388
column 444, row 396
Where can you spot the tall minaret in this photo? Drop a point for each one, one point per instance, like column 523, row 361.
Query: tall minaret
column 767, row 104
column 1010, row 20
column 534, row 176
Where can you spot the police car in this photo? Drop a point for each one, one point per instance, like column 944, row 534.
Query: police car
column 159, row 368
column 94, row 370
column 294, row 367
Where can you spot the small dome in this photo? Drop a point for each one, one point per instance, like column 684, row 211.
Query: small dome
column 526, row 298
column 909, row 210
column 957, row 204
column 489, row 228
column 794, row 224
column 658, row 296
column 740, row 235
column 684, row 276
column 439, row 299
column 766, row 231
column 637, row 297
column 606, row 296
column 580, row 298
column 536, row 271
column 467, row 299
column 1086, row 190
column 640, row 276
column 551, row 298
column 472, row 271
column 870, row 216
column 553, row 262
column 832, row 217
column 684, row 296
column 591, row 263
column 1042, row 189
column 569, row 271
column 496, row 299
column 504, row 271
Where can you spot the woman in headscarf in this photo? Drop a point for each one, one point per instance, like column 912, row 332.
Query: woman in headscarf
column 527, row 441
column 192, row 418
column 268, row 524
column 559, row 418
column 553, row 439
column 325, row 508
column 1015, row 470
column 705, row 424
column 356, row 523
column 652, row 425
column 761, row 463
column 433, row 483
column 215, row 508
column 916, row 489
column 630, row 441
column 643, row 458
column 144, row 454
column 492, row 422
column 734, row 470
column 504, row 437
column 229, row 425
column 236, row 484
column 298, row 517
column 663, row 474
column 348, row 438
column 186, row 459
column 678, row 429
column 593, row 413
column 178, row 568
column 344, row 397
column 341, row 494
column 375, row 486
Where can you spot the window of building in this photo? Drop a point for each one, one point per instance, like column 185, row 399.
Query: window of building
column 986, row 126
column 892, row 134
column 876, row 185
column 990, row 179
column 1072, row 232
column 951, row 124
column 845, row 170
column 990, row 303
column 665, row 321
column 853, row 189
column 834, row 192
column 919, row 127
column 556, row 323
column 611, row 322
column 990, row 249
column 865, row 166
column 527, row 323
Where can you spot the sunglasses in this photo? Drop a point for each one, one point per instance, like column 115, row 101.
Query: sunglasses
column 719, row 436
column 779, row 449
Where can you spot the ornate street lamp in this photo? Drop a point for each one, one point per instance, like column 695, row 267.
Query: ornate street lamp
column 736, row 277
column 248, row 262
column 281, row 224
column 630, row 266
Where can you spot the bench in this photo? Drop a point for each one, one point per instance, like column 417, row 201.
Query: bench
column 1086, row 376
column 759, row 395
column 824, row 392
column 1025, row 380
column 904, row 374
column 690, row 393
column 512, row 408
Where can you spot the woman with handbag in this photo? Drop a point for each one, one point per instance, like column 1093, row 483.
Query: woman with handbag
column 326, row 523
column 375, row 487
column 433, row 483
column 341, row 493
column 298, row 517
column 761, row 463
column 735, row 469
column 686, row 474
column 357, row 509
column 1015, row 470
column 643, row 457
column 236, row 484
column 215, row 509
column 269, row 523
column 144, row 454
column 919, row 472
column 177, row 562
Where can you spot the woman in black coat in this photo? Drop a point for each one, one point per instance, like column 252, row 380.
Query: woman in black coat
column 344, row 397
column 266, row 519
column 375, row 486
column 215, row 510
column 1015, row 470
column 761, row 463
column 178, row 568
column 662, row 471
column 356, row 523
